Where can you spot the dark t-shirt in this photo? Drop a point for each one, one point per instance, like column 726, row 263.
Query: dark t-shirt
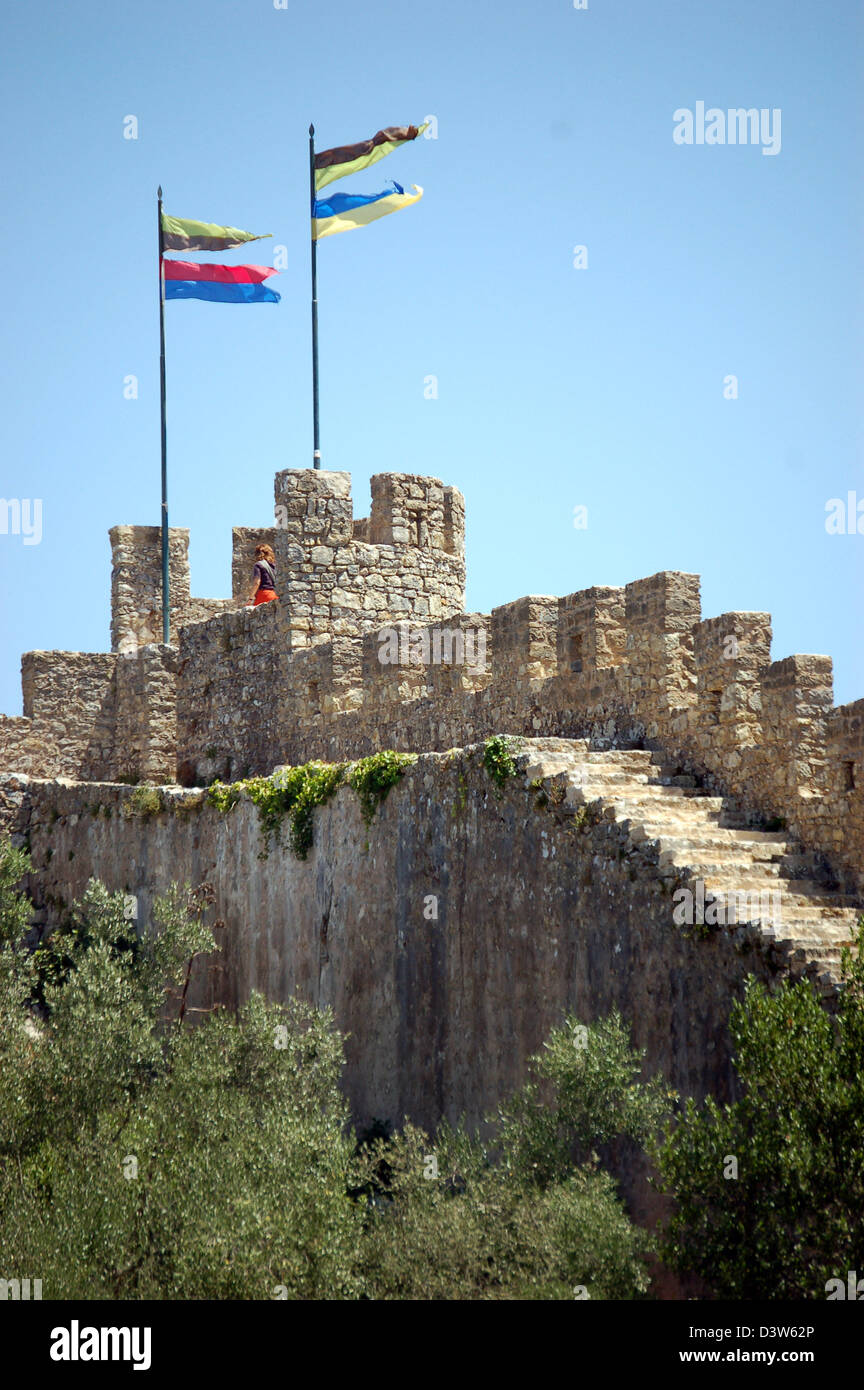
column 266, row 574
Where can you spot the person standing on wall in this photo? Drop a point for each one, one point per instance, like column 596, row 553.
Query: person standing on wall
column 264, row 574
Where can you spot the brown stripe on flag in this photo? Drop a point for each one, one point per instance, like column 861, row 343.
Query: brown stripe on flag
column 344, row 154
column 179, row 241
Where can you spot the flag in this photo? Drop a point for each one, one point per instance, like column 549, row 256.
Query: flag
column 348, row 159
column 181, row 234
column 345, row 212
column 218, row 293
column 230, row 274
column 220, row 284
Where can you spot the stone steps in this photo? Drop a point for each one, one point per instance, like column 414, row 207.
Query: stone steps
column 647, row 794
column 720, row 862
column 712, row 839
column 704, row 837
column 657, row 817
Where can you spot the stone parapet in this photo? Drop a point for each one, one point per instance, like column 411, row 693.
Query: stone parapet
column 370, row 646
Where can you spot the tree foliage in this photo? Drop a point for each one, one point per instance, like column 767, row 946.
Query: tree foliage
column 793, row 1218
column 141, row 1157
column 530, row 1214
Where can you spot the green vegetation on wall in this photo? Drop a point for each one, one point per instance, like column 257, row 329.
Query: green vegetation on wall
column 294, row 792
column 498, row 758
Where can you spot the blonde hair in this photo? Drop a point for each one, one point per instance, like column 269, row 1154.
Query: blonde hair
column 265, row 552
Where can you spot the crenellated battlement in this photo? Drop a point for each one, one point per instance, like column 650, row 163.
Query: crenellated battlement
column 370, row 647
column 336, row 575
column 136, row 586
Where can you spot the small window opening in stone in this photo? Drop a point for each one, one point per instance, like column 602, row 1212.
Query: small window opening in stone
column 574, row 653
column 313, row 692
column 714, row 698
column 849, row 777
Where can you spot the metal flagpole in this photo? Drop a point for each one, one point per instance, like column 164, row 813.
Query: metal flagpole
column 166, row 611
column 316, row 441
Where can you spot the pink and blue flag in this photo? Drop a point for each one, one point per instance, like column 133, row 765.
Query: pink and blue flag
column 220, row 284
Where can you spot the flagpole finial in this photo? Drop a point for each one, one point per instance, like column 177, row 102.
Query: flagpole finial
column 159, row 191
column 311, row 130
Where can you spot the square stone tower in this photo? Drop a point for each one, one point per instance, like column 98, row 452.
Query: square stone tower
column 340, row 578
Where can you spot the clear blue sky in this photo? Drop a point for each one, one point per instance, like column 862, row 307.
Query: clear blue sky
column 557, row 387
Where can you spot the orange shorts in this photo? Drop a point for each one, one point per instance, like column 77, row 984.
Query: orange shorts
column 265, row 596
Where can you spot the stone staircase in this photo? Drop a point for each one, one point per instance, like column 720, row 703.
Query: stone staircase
column 790, row 910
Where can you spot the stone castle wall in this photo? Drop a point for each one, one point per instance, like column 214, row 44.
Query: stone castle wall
column 240, row 691
column 136, row 586
column 92, row 716
column 335, row 584
column 633, row 666
column 370, row 647
column 442, row 1011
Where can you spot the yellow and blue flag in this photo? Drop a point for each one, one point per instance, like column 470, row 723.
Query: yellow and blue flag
column 345, row 212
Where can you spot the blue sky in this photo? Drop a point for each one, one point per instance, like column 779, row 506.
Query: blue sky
column 557, row 387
